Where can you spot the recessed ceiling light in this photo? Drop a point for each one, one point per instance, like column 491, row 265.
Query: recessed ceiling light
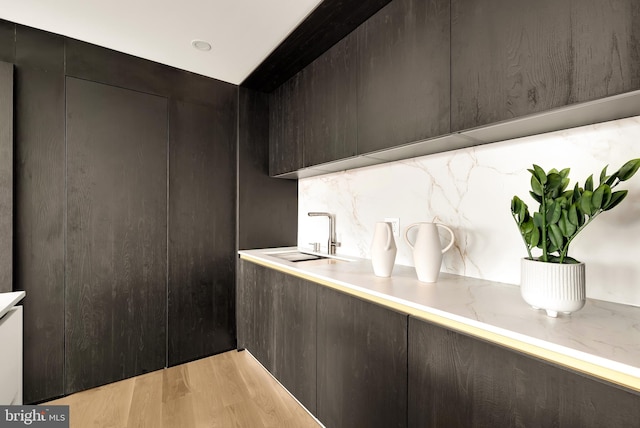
column 201, row 45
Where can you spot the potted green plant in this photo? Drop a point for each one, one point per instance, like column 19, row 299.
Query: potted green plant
column 554, row 281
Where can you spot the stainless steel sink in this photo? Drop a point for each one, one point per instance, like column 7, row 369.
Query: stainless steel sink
column 296, row 256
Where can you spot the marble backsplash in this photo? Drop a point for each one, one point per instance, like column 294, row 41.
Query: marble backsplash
column 470, row 190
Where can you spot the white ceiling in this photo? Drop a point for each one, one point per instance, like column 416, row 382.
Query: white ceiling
column 242, row 32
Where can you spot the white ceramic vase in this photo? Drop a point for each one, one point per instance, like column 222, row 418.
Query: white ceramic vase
column 553, row 287
column 427, row 249
column 383, row 250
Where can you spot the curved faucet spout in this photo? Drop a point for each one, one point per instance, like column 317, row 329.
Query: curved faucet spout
column 331, row 244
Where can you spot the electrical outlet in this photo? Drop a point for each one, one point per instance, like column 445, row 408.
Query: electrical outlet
column 395, row 225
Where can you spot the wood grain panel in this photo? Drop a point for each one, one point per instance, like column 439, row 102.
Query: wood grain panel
column 256, row 318
column 6, row 177
column 277, row 324
column 362, row 363
column 7, row 41
column 201, row 231
column 286, row 127
column 459, row 381
column 512, row 58
column 98, row 64
column 116, row 234
column 329, row 23
column 403, row 74
column 329, row 87
column 295, row 336
column 257, row 192
column 39, row 174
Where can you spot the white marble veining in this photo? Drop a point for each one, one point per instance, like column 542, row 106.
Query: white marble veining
column 470, row 190
column 603, row 333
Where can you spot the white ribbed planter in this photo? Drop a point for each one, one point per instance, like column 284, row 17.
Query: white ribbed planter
column 553, row 287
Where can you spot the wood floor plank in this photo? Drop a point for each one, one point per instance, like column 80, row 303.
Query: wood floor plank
column 226, row 390
column 146, row 402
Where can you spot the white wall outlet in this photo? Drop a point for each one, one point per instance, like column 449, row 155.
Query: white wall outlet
column 395, row 225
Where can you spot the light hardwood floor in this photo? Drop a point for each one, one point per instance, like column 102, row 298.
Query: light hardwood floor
column 226, row 390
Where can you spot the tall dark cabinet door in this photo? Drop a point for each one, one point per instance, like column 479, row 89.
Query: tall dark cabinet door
column 39, row 223
column 510, row 58
column 329, row 86
column 116, row 234
column 362, row 363
column 201, row 231
column 403, row 74
column 6, row 177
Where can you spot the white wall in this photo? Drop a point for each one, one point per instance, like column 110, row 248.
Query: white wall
column 470, row 190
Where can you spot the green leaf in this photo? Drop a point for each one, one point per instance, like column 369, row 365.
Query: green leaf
column 537, row 219
column 628, row 169
column 585, row 202
column 566, row 227
column 536, row 198
column 565, row 173
column 534, row 237
column 527, row 226
column 588, row 185
column 577, row 193
column 603, row 174
column 516, row 202
column 555, row 236
column 616, row 198
column 554, row 212
column 539, row 174
column 597, row 197
column 572, row 215
column 536, row 187
column 555, row 185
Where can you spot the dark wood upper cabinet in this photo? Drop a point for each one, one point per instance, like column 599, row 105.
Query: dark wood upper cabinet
column 512, row 58
column 6, row 177
column 403, row 74
column 116, row 246
column 286, row 127
column 329, row 86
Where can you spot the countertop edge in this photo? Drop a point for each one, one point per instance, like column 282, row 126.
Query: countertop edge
column 12, row 299
column 589, row 364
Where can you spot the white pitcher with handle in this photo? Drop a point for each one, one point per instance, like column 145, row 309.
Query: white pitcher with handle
column 427, row 249
column 383, row 250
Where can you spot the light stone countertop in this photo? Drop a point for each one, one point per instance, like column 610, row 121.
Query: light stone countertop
column 9, row 300
column 602, row 339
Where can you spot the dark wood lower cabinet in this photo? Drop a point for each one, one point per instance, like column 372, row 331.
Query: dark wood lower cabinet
column 277, row 324
column 459, row 381
column 362, row 363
